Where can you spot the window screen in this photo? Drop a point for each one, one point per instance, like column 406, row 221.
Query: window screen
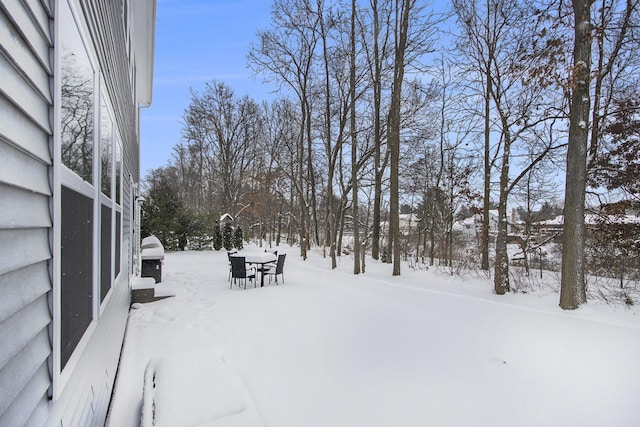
column 118, row 242
column 105, row 251
column 76, row 268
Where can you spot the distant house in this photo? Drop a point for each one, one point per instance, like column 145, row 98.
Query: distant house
column 73, row 75
column 408, row 223
column 474, row 224
column 548, row 227
column 468, row 226
column 226, row 218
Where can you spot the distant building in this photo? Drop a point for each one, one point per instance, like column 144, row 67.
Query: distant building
column 226, row 217
column 549, row 226
column 473, row 225
column 74, row 75
column 408, row 223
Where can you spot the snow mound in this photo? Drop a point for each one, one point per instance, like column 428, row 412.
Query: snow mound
column 196, row 389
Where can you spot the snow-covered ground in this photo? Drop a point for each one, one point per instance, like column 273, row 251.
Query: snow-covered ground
column 328, row 348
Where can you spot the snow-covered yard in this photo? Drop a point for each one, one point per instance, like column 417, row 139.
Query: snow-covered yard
column 328, row 348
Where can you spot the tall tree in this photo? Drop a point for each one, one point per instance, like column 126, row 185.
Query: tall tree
column 479, row 41
column 572, row 287
column 413, row 33
column 376, row 44
column 354, row 145
column 163, row 212
column 403, row 8
column 448, row 167
column 485, row 67
column 222, row 128
column 613, row 47
column 238, row 238
column 329, row 24
column 507, row 56
column 227, row 236
column 217, row 236
column 286, row 54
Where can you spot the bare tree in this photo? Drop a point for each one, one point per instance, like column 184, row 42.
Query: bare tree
column 413, row 32
column 225, row 127
column 480, row 39
column 533, row 190
column 332, row 123
column 613, row 49
column 376, row 44
column 285, row 121
column 455, row 165
column 286, row 54
column 354, row 145
column 522, row 100
column 572, row 289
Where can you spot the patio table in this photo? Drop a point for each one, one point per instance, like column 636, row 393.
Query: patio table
column 258, row 258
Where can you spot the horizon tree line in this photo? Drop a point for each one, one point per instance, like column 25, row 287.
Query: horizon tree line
column 381, row 105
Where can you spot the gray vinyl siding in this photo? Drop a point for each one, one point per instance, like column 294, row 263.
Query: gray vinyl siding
column 86, row 396
column 25, row 213
column 27, row 225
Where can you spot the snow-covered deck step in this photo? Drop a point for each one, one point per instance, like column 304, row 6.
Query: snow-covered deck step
column 138, row 283
column 145, row 289
column 196, row 389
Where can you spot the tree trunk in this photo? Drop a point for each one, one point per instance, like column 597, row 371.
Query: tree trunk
column 377, row 133
column 604, row 65
column 312, row 205
column 377, row 198
column 484, row 235
column 354, row 146
column 330, row 237
column 402, row 28
column 394, row 208
column 572, row 287
column 301, row 195
column 501, row 278
column 432, row 242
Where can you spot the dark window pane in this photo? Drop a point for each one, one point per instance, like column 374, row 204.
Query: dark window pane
column 105, row 251
column 118, row 242
column 76, row 259
column 118, row 171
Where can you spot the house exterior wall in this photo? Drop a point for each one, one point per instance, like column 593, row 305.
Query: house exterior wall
column 54, row 370
column 25, row 217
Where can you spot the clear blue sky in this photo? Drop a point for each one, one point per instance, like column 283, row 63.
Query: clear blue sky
column 197, row 41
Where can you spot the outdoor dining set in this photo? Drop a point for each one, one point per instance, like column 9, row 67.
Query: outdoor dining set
column 245, row 266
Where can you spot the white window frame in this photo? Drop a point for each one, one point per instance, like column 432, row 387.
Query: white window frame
column 63, row 176
column 105, row 200
column 111, row 202
column 118, row 146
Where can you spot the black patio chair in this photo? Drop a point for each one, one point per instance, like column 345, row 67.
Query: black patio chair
column 229, row 253
column 277, row 269
column 239, row 271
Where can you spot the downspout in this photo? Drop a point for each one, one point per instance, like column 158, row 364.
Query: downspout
column 139, row 199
